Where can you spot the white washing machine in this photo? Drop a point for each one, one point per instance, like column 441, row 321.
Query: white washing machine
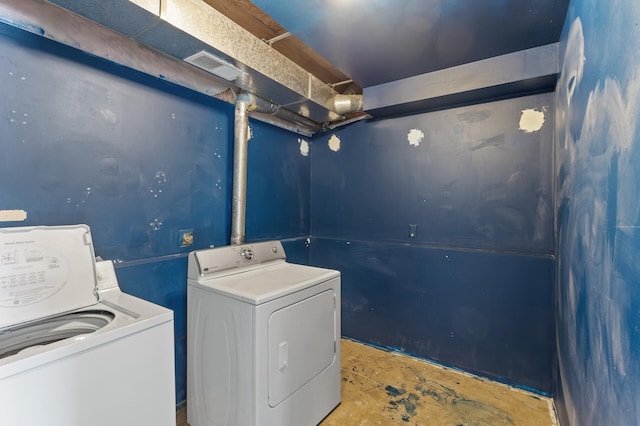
column 263, row 338
column 74, row 349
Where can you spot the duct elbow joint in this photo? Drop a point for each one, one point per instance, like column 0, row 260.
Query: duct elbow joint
column 344, row 104
column 257, row 104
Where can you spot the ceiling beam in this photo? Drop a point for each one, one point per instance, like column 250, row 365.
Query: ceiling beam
column 528, row 71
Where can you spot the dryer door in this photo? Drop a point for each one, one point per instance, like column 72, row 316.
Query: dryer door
column 302, row 343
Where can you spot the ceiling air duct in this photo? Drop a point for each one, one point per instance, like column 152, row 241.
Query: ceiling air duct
column 155, row 36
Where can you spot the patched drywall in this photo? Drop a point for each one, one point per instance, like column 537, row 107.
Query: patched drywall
column 304, row 147
column 415, row 136
column 442, row 225
column 531, row 120
column 334, row 143
column 13, row 215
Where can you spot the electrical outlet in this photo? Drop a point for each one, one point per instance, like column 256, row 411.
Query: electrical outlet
column 186, row 237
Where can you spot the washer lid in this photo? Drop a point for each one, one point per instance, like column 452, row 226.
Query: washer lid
column 45, row 271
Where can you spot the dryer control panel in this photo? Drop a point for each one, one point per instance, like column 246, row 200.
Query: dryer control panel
column 219, row 259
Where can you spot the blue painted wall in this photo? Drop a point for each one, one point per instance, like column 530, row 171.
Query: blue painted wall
column 278, row 187
column 474, row 287
column 598, row 202
column 137, row 159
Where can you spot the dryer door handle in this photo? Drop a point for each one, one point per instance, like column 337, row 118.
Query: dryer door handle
column 283, row 355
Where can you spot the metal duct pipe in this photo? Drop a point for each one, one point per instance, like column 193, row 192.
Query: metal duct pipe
column 246, row 102
column 286, row 125
column 292, row 117
column 265, row 108
column 261, row 105
column 240, row 151
column 343, row 104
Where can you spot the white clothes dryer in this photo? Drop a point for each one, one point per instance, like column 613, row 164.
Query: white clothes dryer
column 74, row 349
column 263, row 338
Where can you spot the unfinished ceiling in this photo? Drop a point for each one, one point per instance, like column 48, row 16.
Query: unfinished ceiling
column 382, row 45
column 378, row 41
column 250, row 17
column 317, row 60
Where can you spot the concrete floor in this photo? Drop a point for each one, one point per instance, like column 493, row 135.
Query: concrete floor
column 386, row 388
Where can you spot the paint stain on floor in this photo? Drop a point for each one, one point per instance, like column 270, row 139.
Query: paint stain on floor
column 386, row 388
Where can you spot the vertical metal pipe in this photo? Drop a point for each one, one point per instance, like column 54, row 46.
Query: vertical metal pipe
column 240, row 151
column 245, row 103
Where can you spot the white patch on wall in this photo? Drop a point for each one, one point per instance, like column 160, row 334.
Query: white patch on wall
column 13, row 215
column 334, row 143
column 109, row 116
column 531, row 120
column 415, row 136
column 304, row 147
column 249, row 133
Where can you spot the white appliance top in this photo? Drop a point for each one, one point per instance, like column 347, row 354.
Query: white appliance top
column 254, row 273
column 45, row 271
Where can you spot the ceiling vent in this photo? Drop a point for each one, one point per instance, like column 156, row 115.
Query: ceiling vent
column 214, row 65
